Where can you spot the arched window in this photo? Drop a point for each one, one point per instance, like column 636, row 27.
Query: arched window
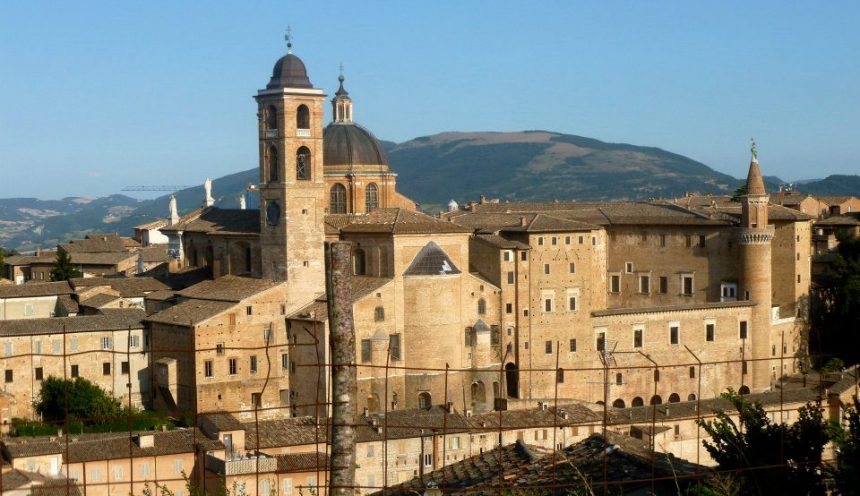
column 656, row 400
column 358, row 262
column 424, row 401
column 619, row 379
column 674, row 398
column 619, row 403
column 482, row 306
column 273, row 164
column 637, row 401
column 744, row 390
column 303, row 117
column 691, row 397
column 379, row 314
column 271, row 118
column 303, row 164
column 479, row 392
column 371, row 198
column 373, row 403
column 337, row 199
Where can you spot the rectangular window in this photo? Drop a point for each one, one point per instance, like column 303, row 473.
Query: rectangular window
column 56, row 346
column 9, row 376
column 628, row 267
column 249, row 310
column 559, row 376
column 743, row 329
column 252, row 363
column 663, row 240
column 40, row 374
column 554, row 241
column 546, row 268
column 219, row 349
column 687, row 285
column 495, row 336
column 571, row 268
column 365, row 350
column 709, row 332
column 7, row 348
column 106, row 368
column 509, row 308
column 571, row 303
column 601, row 341
column 124, row 368
column 134, row 341
column 285, row 361
column 510, row 277
column 645, row 284
column 467, row 337
column 106, row 343
column 540, row 240
column 75, row 371
column 664, row 284
column 581, row 240
column 428, row 459
column 567, row 240
column 506, row 255
column 233, row 366
column 594, row 241
column 548, row 346
column 231, row 319
column 37, row 347
column 117, row 473
column 547, row 304
column 96, row 475
column 614, row 283
column 637, row 338
column 674, row 334
column 701, row 241
column 573, row 345
column 524, row 256
column 688, row 241
column 74, row 343
column 178, row 465
column 744, row 367
column 144, row 470
column 208, row 369
column 256, row 400
column 394, row 345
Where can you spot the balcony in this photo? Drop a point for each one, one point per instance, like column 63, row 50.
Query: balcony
column 303, row 133
column 238, row 465
column 271, row 133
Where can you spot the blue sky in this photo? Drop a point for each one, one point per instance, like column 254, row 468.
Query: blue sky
column 97, row 95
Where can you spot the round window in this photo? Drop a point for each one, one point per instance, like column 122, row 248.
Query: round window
column 273, row 213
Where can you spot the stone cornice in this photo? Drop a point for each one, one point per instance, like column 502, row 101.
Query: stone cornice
column 755, row 236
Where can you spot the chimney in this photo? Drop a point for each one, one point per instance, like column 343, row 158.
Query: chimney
column 172, row 211
column 366, row 411
column 483, row 199
column 208, row 200
column 522, row 222
column 450, row 407
column 144, row 440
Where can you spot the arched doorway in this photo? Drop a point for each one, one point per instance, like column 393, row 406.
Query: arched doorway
column 744, row 390
column 691, row 397
column 674, row 398
column 637, row 401
column 656, row 400
column 512, row 380
column 619, row 403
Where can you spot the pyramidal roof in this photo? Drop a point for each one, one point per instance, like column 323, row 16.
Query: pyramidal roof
column 755, row 183
column 431, row 261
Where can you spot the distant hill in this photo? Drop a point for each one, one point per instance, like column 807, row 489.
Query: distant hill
column 516, row 166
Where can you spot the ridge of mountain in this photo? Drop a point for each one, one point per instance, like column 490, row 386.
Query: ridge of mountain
column 516, row 166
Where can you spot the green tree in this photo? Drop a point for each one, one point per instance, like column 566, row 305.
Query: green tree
column 3, row 254
column 847, row 443
column 77, row 399
column 769, row 458
column 740, row 192
column 63, row 268
column 835, row 304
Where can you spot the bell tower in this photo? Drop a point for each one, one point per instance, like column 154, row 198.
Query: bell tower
column 292, row 186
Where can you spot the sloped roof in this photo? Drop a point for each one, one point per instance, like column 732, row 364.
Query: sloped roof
column 228, row 288
column 431, row 261
column 31, row 290
column 128, row 287
column 212, row 220
column 317, row 310
column 95, row 243
column 546, row 223
column 400, row 221
column 500, row 242
column 118, row 319
column 101, row 258
column 190, row 312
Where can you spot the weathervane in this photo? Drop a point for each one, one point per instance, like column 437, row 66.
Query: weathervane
column 753, row 149
column 289, row 38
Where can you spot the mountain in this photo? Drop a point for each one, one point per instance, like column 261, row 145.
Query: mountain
column 516, row 166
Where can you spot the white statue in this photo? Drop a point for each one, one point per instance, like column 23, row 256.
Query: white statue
column 207, row 189
column 173, row 211
column 242, row 205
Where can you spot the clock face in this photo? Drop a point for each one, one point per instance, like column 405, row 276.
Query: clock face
column 273, row 213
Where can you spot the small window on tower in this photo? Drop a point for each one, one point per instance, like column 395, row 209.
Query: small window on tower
column 303, row 117
column 303, row 164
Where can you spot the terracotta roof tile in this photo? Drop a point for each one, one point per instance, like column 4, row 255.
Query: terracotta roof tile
column 31, row 290
column 119, row 319
column 228, row 288
column 128, row 287
column 190, row 312
column 400, row 221
column 214, row 220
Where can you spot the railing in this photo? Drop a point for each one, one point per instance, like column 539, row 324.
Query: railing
column 271, row 133
column 241, row 465
column 303, row 133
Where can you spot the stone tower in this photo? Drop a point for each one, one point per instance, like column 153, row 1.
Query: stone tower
column 292, row 186
column 755, row 283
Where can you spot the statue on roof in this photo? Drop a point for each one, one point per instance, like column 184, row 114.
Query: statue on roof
column 753, row 149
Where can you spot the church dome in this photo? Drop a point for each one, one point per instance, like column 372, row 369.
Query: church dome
column 289, row 72
column 350, row 144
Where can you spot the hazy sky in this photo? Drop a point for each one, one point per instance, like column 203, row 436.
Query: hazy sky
column 98, row 95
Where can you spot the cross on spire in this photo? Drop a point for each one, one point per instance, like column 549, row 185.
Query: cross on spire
column 289, row 38
column 340, row 77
